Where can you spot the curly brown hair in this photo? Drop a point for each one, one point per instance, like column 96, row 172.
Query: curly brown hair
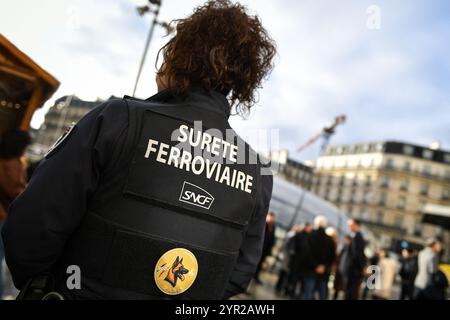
column 219, row 47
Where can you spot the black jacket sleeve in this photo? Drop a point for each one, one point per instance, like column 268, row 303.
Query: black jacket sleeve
column 251, row 249
column 43, row 217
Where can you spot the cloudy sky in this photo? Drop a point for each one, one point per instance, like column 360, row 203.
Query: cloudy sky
column 385, row 64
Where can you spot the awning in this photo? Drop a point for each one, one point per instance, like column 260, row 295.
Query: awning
column 437, row 215
column 24, row 87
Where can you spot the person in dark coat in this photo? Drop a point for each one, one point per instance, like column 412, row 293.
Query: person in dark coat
column 287, row 256
column 408, row 273
column 339, row 283
column 269, row 241
column 155, row 198
column 298, row 261
column 321, row 256
column 354, row 261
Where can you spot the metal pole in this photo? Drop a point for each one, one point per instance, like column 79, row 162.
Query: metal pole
column 149, row 38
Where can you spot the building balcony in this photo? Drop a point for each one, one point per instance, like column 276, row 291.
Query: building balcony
column 417, row 173
column 383, row 226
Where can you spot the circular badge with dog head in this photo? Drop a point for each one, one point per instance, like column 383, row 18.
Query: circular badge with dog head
column 175, row 271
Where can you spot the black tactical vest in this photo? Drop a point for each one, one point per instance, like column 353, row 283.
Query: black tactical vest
column 191, row 187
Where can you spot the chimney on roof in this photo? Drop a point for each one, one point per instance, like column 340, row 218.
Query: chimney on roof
column 435, row 145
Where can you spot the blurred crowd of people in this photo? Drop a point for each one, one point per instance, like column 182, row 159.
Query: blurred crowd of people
column 312, row 261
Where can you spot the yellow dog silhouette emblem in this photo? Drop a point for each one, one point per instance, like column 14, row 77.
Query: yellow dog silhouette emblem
column 175, row 271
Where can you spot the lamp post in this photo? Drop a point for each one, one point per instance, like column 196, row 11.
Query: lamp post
column 142, row 11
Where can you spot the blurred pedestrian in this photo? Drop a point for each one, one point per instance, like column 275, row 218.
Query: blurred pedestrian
column 287, row 255
column 339, row 283
column 300, row 261
column 269, row 241
column 430, row 283
column 388, row 270
column 408, row 272
column 13, row 178
column 321, row 257
column 353, row 261
column 332, row 233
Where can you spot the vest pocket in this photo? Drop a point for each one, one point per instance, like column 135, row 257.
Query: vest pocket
column 133, row 258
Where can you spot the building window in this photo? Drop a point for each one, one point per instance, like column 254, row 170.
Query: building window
column 408, row 150
column 404, row 184
column 380, row 217
column 445, row 194
column 407, row 166
column 424, row 189
column 398, row 221
column 339, row 196
column 427, row 154
column 422, row 206
column 364, row 214
column 353, row 196
column 366, row 197
column 447, row 157
column 439, row 232
column 418, row 230
column 401, row 202
column 329, row 181
column 360, row 163
column 426, row 170
column 379, row 147
column 390, row 163
column 385, row 182
column 368, row 181
column 346, row 164
column 382, row 201
column 447, row 174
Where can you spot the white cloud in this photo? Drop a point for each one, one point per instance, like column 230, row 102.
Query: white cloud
column 329, row 62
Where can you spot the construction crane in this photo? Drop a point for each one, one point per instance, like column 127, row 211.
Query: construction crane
column 325, row 134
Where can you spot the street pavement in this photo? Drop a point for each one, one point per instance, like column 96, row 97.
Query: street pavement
column 266, row 290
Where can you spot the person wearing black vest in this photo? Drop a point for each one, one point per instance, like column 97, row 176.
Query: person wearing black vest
column 156, row 198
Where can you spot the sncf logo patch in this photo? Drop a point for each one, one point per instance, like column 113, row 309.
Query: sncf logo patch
column 194, row 195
